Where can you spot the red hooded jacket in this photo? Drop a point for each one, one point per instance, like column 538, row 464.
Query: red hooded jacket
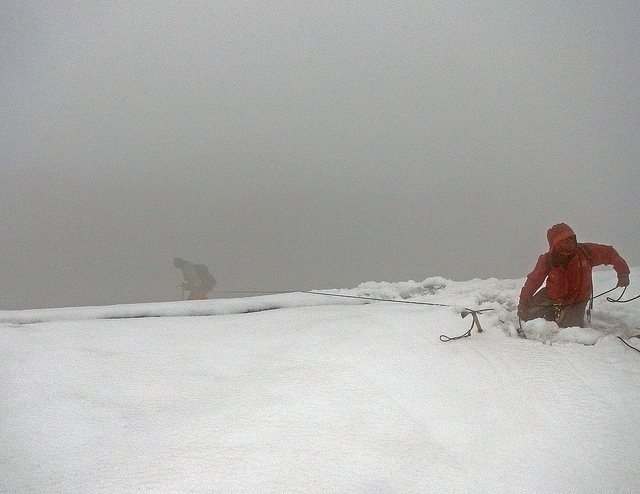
column 569, row 277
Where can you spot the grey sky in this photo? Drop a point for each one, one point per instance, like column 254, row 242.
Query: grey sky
column 300, row 145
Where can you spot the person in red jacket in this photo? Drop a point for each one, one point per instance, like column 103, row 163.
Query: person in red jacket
column 197, row 279
column 567, row 268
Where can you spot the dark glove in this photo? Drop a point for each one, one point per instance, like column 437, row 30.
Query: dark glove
column 623, row 280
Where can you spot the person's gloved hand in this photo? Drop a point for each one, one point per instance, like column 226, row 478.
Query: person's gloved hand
column 623, row 280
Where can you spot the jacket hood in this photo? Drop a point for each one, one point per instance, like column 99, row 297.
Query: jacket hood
column 557, row 233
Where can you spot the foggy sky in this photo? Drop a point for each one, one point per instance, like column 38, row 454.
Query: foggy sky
column 300, row 145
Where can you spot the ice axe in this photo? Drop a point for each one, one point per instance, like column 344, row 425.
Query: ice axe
column 474, row 315
column 474, row 323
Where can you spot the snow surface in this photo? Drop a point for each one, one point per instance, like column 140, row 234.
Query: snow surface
column 324, row 395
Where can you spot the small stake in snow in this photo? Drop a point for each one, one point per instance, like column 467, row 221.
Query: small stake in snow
column 475, row 322
column 474, row 314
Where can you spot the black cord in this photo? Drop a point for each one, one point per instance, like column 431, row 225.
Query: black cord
column 632, row 347
column 623, row 301
column 342, row 296
column 378, row 299
column 604, row 293
column 609, row 299
column 445, row 338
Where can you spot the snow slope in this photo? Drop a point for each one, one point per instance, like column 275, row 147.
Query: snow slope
column 324, row 395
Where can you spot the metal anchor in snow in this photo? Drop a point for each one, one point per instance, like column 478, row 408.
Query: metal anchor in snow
column 474, row 323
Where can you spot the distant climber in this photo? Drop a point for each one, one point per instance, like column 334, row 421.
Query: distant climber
column 197, row 279
column 567, row 268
